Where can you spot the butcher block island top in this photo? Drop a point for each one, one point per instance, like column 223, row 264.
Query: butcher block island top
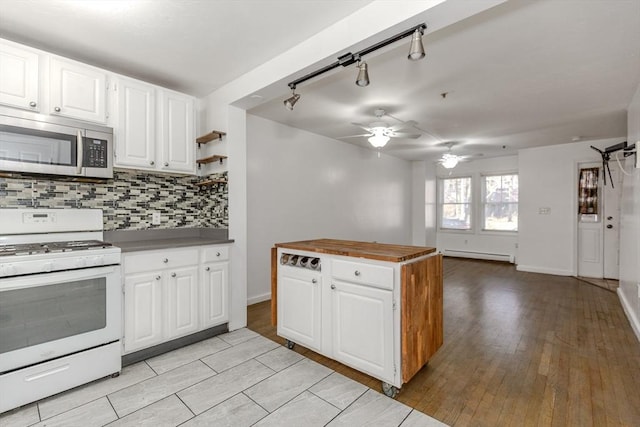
column 352, row 248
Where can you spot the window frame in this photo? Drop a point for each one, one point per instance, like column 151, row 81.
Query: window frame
column 483, row 203
column 470, row 203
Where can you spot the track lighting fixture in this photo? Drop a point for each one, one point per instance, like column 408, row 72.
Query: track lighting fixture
column 416, row 52
column 291, row 101
column 363, row 75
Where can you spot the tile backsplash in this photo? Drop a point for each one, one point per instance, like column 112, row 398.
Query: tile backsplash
column 128, row 199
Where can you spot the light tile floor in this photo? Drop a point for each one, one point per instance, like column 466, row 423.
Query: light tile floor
column 235, row 379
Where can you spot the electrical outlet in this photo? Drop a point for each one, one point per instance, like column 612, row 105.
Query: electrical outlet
column 155, row 218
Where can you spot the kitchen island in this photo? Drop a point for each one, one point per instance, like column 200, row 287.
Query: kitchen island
column 374, row 307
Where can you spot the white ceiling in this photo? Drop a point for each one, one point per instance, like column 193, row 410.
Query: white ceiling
column 523, row 74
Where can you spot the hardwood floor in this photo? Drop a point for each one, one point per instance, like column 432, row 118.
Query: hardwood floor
column 519, row 349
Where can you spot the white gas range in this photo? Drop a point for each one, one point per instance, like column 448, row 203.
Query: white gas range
column 60, row 303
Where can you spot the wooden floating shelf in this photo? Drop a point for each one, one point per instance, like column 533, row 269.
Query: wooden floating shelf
column 211, row 136
column 210, row 182
column 211, row 159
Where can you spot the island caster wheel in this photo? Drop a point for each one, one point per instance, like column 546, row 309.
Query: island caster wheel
column 290, row 345
column 390, row 390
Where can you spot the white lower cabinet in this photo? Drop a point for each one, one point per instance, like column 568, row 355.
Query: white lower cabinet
column 173, row 293
column 362, row 328
column 299, row 308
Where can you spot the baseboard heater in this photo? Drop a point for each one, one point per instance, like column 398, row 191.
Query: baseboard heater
column 479, row 255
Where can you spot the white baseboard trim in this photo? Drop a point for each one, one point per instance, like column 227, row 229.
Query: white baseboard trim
column 631, row 315
column 479, row 255
column 259, row 298
column 543, row 270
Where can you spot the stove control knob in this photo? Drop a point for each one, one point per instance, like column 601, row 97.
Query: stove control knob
column 81, row 262
column 98, row 260
column 47, row 266
column 8, row 270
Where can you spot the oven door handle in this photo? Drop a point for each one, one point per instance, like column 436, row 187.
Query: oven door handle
column 80, row 157
column 47, row 279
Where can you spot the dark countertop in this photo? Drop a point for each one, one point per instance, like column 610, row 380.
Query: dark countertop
column 144, row 240
column 377, row 251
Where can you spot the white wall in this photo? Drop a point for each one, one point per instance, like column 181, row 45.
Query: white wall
column 548, row 178
column 630, row 225
column 476, row 240
column 304, row 186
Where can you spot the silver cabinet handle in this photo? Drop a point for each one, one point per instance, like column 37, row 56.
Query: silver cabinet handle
column 166, row 164
column 157, row 277
column 80, row 154
column 33, row 104
column 56, row 109
column 166, row 260
column 314, row 281
column 333, row 286
column 217, row 253
column 357, row 273
column 207, row 269
column 152, row 163
column 173, row 274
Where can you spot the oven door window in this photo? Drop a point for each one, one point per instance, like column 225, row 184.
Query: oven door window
column 37, row 146
column 41, row 314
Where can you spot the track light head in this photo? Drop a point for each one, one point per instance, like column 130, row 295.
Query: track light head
column 363, row 75
column 416, row 50
column 291, row 101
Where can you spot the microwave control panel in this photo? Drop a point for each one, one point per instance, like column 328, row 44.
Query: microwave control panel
column 95, row 153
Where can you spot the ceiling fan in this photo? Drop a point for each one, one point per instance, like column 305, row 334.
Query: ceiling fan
column 379, row 132
column 450, row 160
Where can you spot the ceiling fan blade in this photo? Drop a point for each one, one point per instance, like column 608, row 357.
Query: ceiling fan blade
column 403, row 125
column 406, row 135
column 360, row 125
column 355, row 136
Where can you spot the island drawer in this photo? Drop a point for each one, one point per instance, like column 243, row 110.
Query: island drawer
column 215, row 253
column 379, row 276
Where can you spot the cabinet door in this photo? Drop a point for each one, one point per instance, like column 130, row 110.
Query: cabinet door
column 136, row 124
column 177, row 132
column 214, row 297
column 181, row 301
column 19, row 77
column 142, row 310
column 362, row 328
column 299, row 305
column 77, row 91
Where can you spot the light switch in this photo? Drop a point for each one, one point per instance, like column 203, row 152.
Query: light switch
column 155, row 218
column 544, row 211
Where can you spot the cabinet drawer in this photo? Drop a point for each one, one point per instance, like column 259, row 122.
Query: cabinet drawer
column 156, row 260
column 367, row 274
column 215, row 253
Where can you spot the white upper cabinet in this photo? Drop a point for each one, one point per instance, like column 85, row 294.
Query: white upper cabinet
column 177, row 132
column 19, row 77
column 135, row 111
column 77, row 91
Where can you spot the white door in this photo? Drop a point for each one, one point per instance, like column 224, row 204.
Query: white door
column 598, row 232
column 136, row 124
column 181, row 301
column 214, row 294
column 19, row 77
column 78, row 91
column 142, row 310
column 299, row 305
column 363, row 328
column 177, row 132
column 611, row 220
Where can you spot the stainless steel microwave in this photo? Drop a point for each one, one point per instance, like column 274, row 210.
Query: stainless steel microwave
column 40, row 144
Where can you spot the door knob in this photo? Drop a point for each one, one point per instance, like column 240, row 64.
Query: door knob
column 333, row 286
column 173, row 274
column 609, row 218
column 609, row 226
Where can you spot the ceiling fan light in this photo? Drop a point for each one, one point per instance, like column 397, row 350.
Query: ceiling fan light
column 363, row 75
column 416, row 50
column 378, row 140
column 449, row 161
column 291, row 101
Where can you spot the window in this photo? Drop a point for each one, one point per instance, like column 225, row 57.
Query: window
column 500, row 202
column 455, row 210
